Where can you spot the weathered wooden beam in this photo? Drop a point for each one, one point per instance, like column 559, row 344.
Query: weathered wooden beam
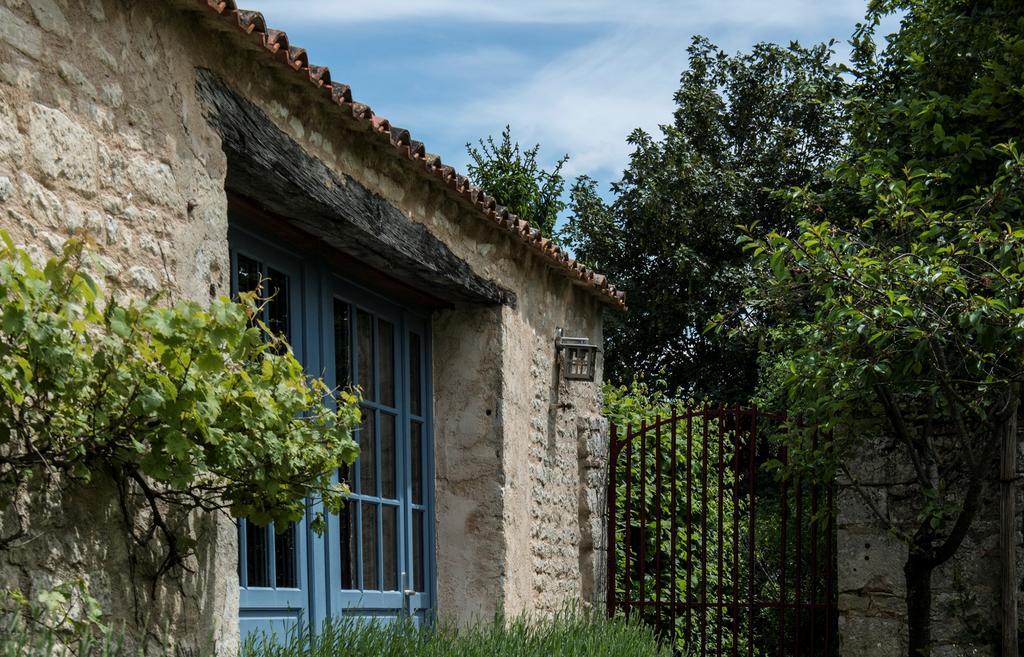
column 268, row 166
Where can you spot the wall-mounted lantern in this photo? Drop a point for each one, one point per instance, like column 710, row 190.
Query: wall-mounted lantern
column 577, row 358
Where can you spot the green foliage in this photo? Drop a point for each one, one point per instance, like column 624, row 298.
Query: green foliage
column 569, row 633
column 21, row 637
column 514, row 178
column 904, row 280
column 60, row 622
column 190, row 407
column 744, row 125
column 638, row 402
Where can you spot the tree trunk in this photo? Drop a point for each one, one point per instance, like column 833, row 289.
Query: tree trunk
column 918, row 574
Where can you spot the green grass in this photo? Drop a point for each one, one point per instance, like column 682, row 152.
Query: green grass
column 567, row 634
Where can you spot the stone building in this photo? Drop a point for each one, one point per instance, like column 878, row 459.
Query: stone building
column 201, row 150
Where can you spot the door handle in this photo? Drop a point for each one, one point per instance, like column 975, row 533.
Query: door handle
column 407, row 594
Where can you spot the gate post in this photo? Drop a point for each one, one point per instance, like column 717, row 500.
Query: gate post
column 611, row 510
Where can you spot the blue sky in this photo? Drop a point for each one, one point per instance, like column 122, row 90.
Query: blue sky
column 576, row 76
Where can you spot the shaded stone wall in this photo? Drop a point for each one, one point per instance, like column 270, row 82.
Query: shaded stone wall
column 101, row 131
column 97, row 136
column 872, row 604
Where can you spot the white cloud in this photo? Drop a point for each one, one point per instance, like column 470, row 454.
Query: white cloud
column 586, row 102
column 583, row 100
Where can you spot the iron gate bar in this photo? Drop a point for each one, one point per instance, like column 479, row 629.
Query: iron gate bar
column 691, row 413
column 704, row 536
column 689, row 522
column 736, row 531
column 721, row 519
column 629, row 518
column 784, row 511
column 831, row 616
column 657, row 523
column 814, row 551
column 611, row 497
column 803, row 606
column 674, row 528
column 751, row 563
column 738, row 604
column 643, row 517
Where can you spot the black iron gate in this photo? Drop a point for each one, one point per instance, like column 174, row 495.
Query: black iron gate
column 710, row 548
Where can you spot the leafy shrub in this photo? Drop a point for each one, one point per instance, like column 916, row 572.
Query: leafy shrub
column 20, row 637
column 570, row 633
column 188, row 407
column 63, row 621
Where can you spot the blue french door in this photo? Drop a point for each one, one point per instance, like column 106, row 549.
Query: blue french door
column 375, row 559
column 378, row 547
column 271, row 560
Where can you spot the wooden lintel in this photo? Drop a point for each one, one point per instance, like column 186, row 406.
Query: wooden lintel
column 270, row 168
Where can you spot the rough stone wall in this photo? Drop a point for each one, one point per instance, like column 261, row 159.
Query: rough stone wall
column 547, row 522
column 101, row 131
column 98, row 134
column 872, row 603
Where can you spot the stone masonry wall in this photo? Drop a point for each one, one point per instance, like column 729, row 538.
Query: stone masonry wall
column 101, row 132
column 872, row 606
column 97, row 136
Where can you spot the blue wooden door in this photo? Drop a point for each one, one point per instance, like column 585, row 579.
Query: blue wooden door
column 271, row 560
column 376, row 558
column 378, row 547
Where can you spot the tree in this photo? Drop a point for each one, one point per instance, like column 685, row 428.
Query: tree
column 906, row 306
column 744, row 125
column 185, row 408
column 514, row 178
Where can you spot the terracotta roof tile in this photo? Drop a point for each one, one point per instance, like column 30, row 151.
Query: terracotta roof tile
column 277, row 44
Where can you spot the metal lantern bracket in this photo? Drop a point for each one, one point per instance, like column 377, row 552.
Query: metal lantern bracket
column 576, row 357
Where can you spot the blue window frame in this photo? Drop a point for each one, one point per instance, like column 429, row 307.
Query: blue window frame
column 375, row 559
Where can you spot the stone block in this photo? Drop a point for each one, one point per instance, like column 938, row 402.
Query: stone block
column 10, row 139
column 154, row 181
column 46, row 208
column 74, row 76
column 50, row 17
column 6, row 189
column 20, row 34
column 63, row 149
column 871, row 563
column 853, row 510
column 878, row 637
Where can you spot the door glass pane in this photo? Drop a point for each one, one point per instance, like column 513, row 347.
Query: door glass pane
column 386, row 339
column 257, row 561
column 417, row 551
column 347, row 532
column 248, row 274
column 367, row 455
column 365, row 329
column 285, row 559
column 415, row 393
column 416, row 456
column 387, row 456
column 370, row 580
column 389, row 537
column 277, row 307
column 342, row 359
column 342, row 345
